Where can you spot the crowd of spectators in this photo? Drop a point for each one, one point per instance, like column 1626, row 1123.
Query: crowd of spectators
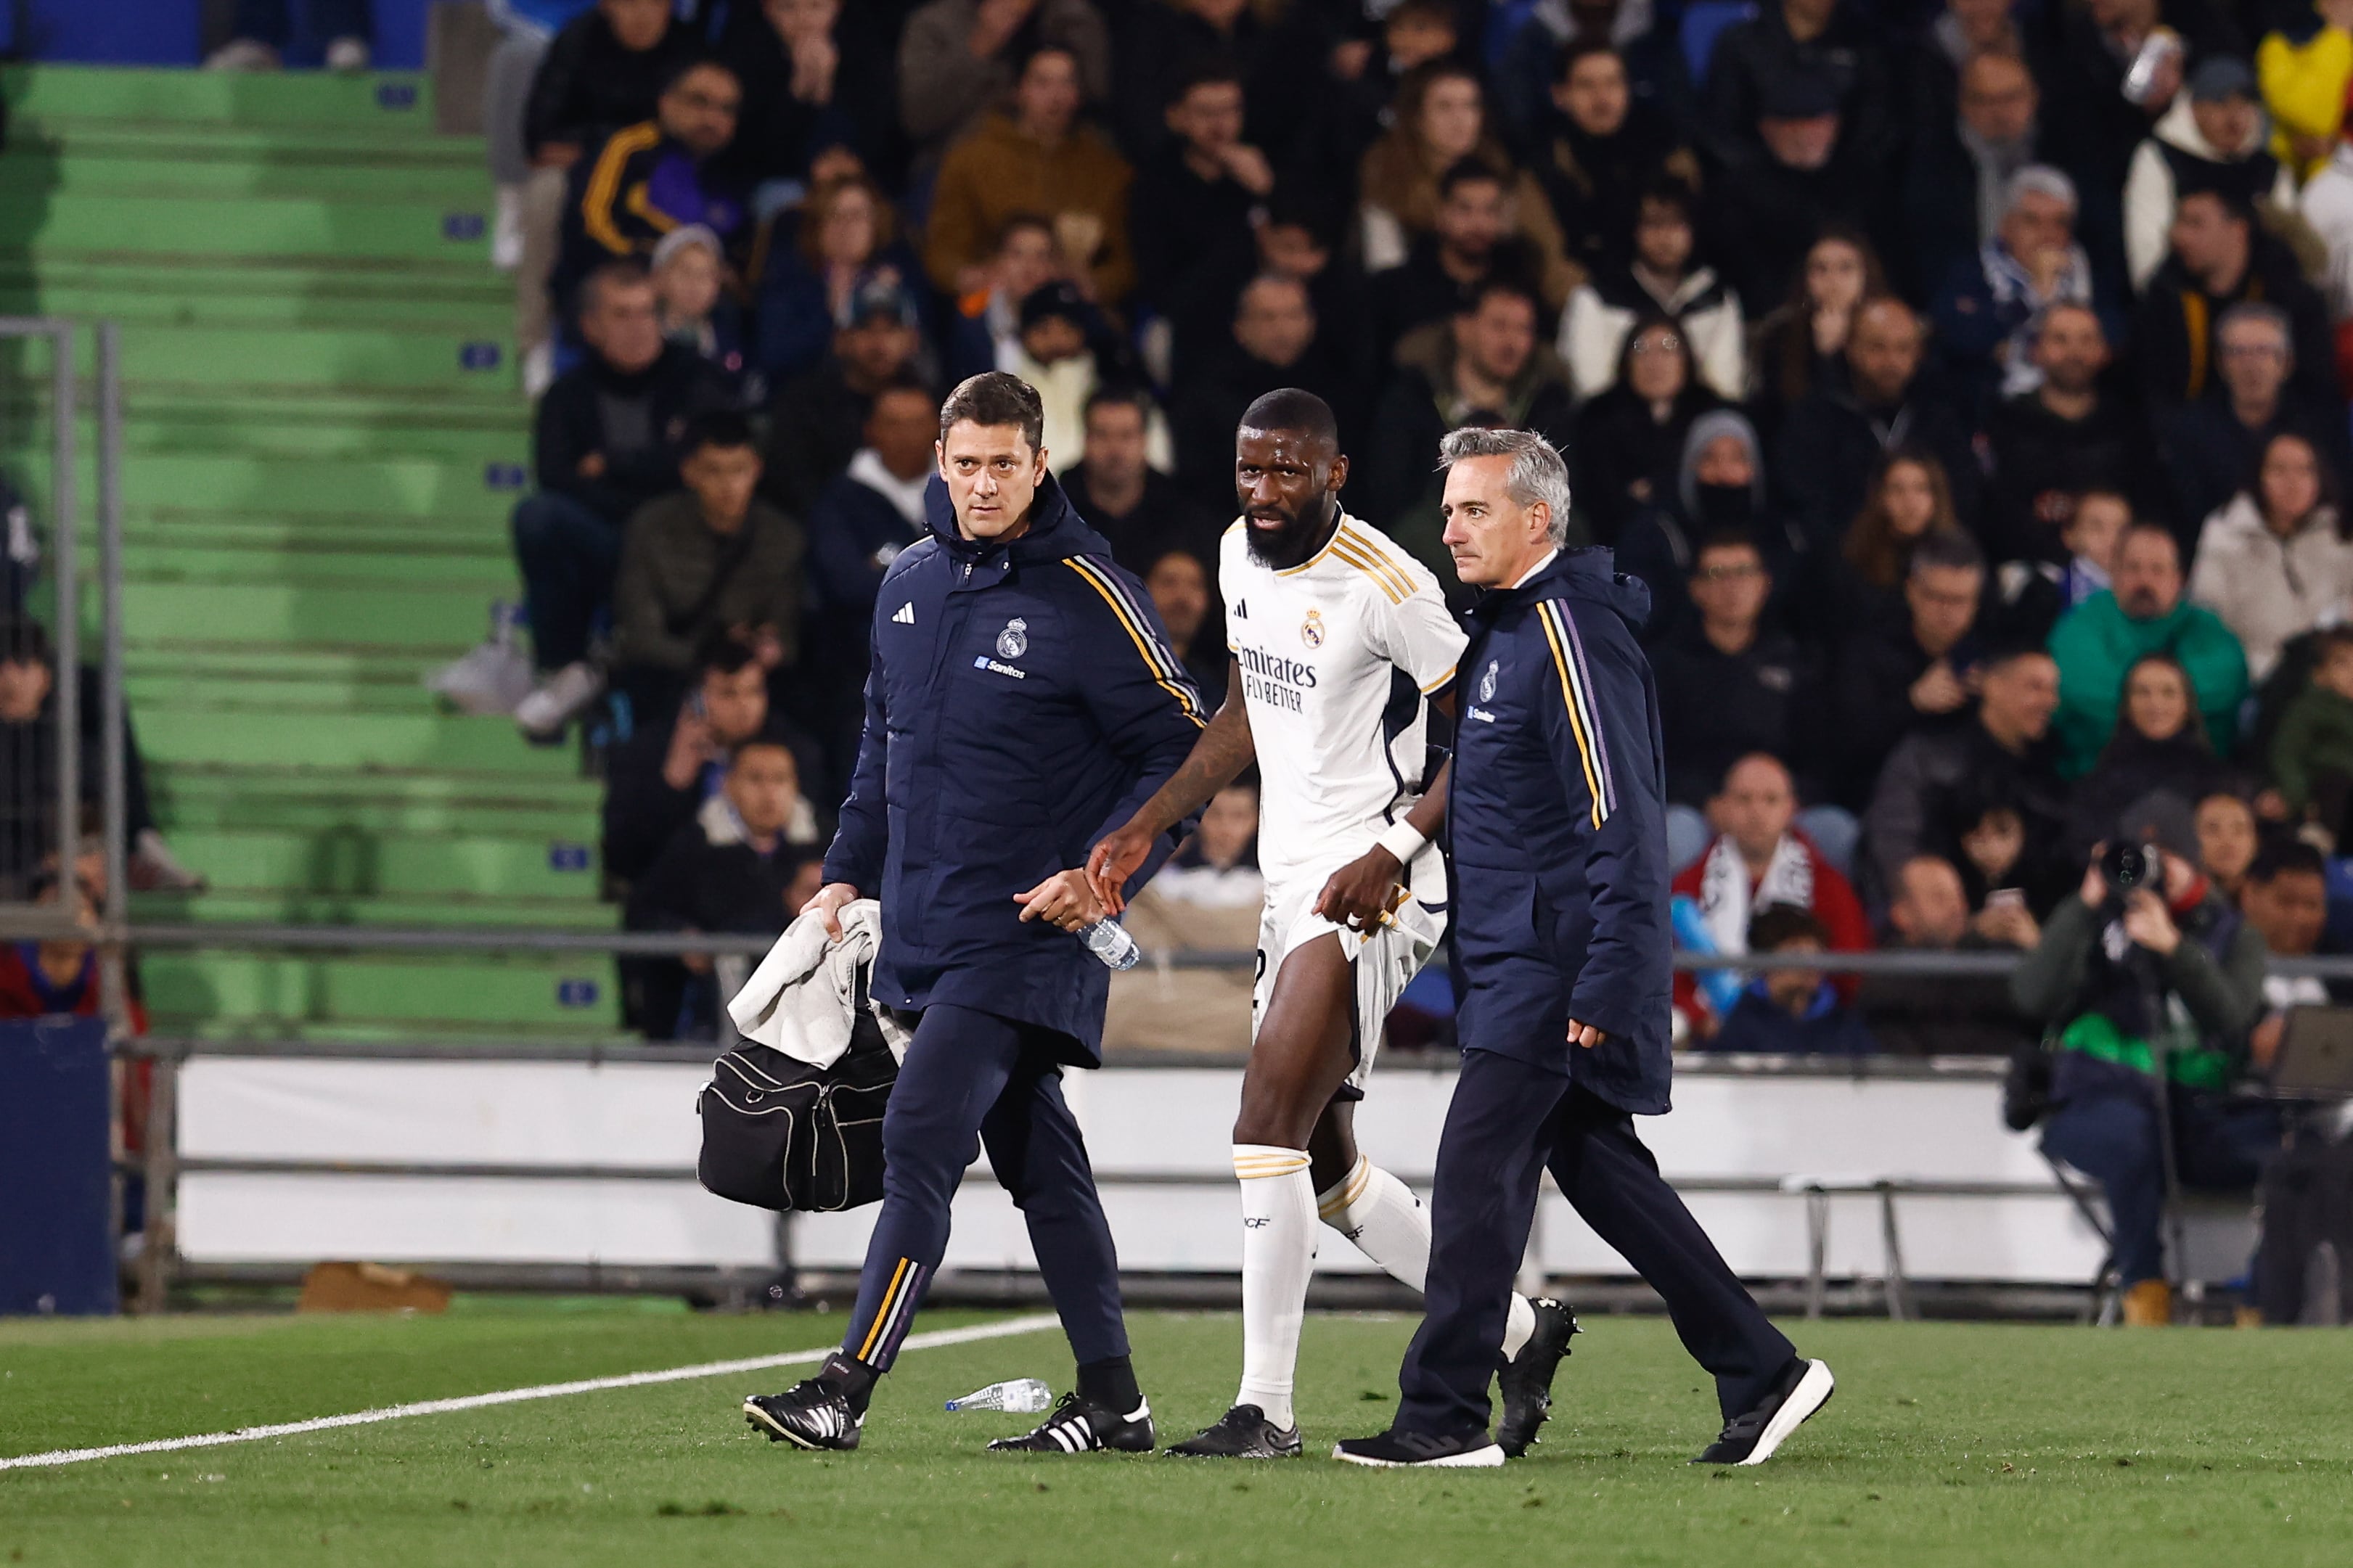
column 1964, row 381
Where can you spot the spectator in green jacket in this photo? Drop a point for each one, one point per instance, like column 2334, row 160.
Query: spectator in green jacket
column 2101, row 639
column 2312, row 752
column 712, row 560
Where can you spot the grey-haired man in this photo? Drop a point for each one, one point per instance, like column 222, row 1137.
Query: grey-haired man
column 1556, row 806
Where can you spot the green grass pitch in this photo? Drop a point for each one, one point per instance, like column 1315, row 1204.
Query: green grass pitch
column 1946, row 1444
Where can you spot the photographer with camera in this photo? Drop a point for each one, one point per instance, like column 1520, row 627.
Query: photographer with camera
column 2148, row 983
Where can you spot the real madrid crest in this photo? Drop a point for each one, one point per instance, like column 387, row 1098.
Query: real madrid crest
column 1487, row 683
column 1311, row 630
column 1014, row 641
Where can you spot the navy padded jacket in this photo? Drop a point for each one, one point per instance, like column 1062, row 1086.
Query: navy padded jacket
column 1556, row 813
column 1023, row 703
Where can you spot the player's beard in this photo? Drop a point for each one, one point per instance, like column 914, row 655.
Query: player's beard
column 1294, row 540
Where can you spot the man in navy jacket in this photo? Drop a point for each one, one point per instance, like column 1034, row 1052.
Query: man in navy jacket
column 1557, row 816
column 1022, row 702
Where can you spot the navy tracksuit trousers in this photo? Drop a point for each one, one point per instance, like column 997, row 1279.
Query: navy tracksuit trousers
column 972, row 1080
column 1509, row 1122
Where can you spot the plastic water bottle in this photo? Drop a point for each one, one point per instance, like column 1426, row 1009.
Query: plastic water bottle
column 1108, row 940
column 1023, row 1395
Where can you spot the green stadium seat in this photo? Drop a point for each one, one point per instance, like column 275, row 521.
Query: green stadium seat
column 324, row 439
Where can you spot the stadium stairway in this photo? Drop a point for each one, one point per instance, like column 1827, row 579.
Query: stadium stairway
column 322, row 436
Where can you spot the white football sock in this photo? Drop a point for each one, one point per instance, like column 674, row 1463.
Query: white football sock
column 1278, row 1254
column 1385, row 1220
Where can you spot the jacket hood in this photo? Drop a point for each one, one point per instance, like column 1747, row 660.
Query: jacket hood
column 1706, row 429
column 1056, row 529
column 2178, row 127
column 2241, row 522
column 1590, row 573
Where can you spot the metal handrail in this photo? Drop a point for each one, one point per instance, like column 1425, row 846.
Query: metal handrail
column 24, row 923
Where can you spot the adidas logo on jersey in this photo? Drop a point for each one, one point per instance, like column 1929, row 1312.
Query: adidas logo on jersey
column 906, row 615
column 1241, row 609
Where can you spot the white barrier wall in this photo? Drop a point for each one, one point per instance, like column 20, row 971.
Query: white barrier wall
column 1141, row 1122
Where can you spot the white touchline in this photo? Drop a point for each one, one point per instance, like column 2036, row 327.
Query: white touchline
column 932, row 1341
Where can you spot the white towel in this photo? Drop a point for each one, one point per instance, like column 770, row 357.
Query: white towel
column 802, row 998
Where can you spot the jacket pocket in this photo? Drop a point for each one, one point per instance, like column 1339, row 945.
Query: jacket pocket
column 1496, row 911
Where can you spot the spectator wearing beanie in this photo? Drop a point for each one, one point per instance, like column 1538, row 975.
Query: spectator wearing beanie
column 1772, row 205
column 1719, row 492
column 1823, row 47
column 817, row 420
column 2211, row 139
column 2091, row 128
column 1062, row 351
column 690, row 274
column 1629, row 440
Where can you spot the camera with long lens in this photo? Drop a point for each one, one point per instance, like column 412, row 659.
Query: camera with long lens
column 2127, row 866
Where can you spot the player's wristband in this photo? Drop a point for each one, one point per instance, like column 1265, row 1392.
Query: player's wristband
column 1402, row 841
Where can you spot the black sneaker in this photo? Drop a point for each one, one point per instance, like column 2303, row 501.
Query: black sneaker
column 1395, row 1450
column 1241, row 1433
column 1526, row 1381
column 1750, row 1438
column 1081, row 1426
column 808, row 1415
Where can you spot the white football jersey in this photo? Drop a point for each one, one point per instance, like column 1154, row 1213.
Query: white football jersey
column 1338, row 656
